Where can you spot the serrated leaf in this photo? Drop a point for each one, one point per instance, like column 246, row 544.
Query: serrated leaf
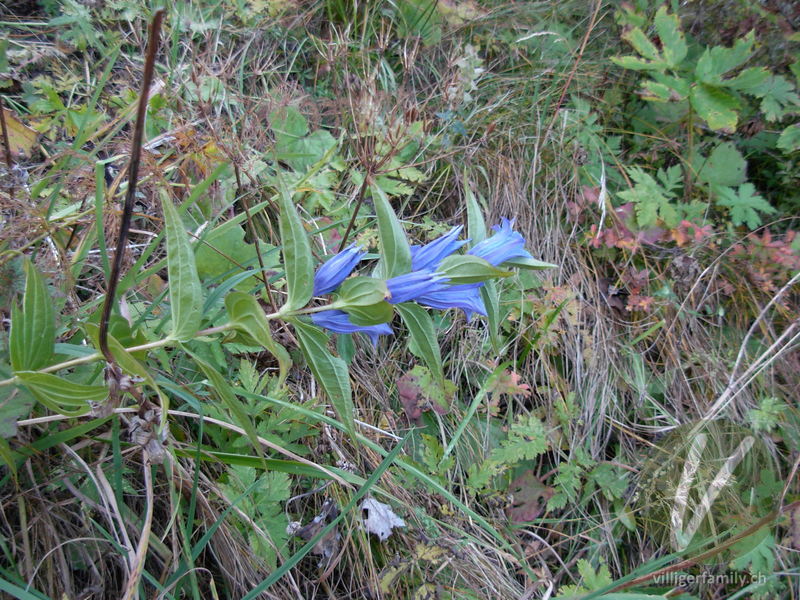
column 465, row 268
column 293, row 144
column 225, row 393
column 749, row 80
column 717, row 61
column 185, row 293
column 673, row 43
column 778, row 96
column 656, row 92
column 652, row 202
column 62, row 395
column 642, row 44
column 743, row 204
column 222, row 250
column 789, row 140
column 396, row 253
column 716, row 107
column 423, row 335
column 329, row 371
column 33, row 328
column 724, row 166
column 637, row 64
column 250, row 320
column 297, row 258
column 755, row 553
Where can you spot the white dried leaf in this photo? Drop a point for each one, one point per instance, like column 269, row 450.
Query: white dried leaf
column 380, row 518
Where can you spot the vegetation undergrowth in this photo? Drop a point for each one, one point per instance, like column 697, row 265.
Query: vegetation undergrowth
column 399, row 299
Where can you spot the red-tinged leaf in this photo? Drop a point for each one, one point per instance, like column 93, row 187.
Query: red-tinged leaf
column 530, row 498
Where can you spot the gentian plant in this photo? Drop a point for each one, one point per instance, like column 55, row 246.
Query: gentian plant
column 334, row 297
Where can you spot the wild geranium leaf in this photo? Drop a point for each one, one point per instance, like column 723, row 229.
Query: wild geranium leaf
column 636, row 64
column 423, row 336
column 329, row 371
column 669, row 32
column 396, row 256
column 419, row 391
column 297, row 258
column 223, row 250
column 724, row 166
column 778, row 97
column 642, row 44
column 717, row 61
column 185, row 293
column 716, row 106
column 749, row 80
column 743, row 204
column 250, row 321
column 33, row 328
column 789, row 140
column 755, row 553
column 293, row 144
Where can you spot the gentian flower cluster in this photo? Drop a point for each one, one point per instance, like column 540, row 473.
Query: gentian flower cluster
column 423, row 284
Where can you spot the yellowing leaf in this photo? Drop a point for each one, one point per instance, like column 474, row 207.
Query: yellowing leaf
column 21, row 138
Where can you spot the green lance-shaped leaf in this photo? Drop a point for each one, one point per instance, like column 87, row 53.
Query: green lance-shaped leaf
column 329, row 371
column 185, row 293
column 297, row 258
column 491, row 300
column 423, row 336
column 33, row 329
column 225, row 393
column 396, row 257
column 251, row 323
column 476, row 225
column 530, row 264
column 360, row 291
column 62, row 395
column 465, row 268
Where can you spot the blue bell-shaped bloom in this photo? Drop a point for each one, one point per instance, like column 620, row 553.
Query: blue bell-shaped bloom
column 429, row 256
column 466, row 297
column 339, row 321
column 502, row 246
column 411, row 285
column 333, row 272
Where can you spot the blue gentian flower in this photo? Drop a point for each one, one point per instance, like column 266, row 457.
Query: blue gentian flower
column 466, row 297
column 339, row 322
column 502, row 246
column 411, row 285
column 430, row 255
column 332, row 273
